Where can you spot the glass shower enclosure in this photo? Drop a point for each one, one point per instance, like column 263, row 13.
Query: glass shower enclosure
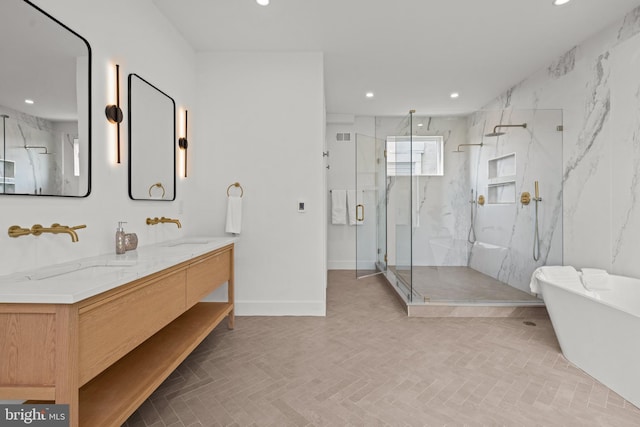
column 457, row 231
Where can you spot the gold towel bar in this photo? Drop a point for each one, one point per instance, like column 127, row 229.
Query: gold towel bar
column 235, row 184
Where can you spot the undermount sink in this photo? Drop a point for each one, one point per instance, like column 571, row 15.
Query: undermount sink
column 83, row 270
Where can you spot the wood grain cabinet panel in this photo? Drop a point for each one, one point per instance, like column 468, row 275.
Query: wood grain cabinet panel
column 204, row 276
column 25, row 338
column 110, row 329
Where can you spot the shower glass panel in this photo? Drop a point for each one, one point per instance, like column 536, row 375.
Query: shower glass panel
column 381, row 204
column 363, row 207
column 400, row 212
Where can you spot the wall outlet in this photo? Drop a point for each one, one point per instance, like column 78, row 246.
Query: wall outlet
column 301, row 206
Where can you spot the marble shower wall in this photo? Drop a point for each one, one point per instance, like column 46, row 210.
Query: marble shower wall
column 440, row 204
column 500, row 170
column 597, row 86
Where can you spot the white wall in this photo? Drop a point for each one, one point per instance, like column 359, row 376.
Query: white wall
column 136, row 36
column 597, row 85
column 260, row 121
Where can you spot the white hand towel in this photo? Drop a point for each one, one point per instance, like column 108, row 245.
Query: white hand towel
column 594, row 278
column 338, row 207
column 353, row 200
column 234, row 214
column 352, row 206
column 562, row 275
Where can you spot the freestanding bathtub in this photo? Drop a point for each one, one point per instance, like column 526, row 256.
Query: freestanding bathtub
column 599, row 331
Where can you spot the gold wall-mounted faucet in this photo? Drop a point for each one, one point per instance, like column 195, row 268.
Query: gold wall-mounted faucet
column 156, row 220
column 37, row 229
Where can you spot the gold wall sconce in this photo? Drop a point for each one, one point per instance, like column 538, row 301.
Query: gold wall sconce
column 183, row 143
column 114, row 112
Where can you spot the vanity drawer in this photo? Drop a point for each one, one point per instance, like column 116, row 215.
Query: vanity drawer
column 110, row 328
column 204, row 276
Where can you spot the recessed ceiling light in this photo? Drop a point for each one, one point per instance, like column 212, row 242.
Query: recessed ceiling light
column 560, row 2
column 454, row 95
column 420, row 125
column 369, row 95
column 263, row 2
column 28, row 101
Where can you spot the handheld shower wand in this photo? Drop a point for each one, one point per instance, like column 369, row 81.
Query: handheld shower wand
column 536, row 235
column 471, row 237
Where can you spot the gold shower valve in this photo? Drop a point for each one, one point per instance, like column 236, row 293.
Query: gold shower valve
column 525, row 198
column 481, row 200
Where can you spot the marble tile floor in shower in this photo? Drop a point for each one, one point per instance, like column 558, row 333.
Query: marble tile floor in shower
column 462, row 284
column 367, row 364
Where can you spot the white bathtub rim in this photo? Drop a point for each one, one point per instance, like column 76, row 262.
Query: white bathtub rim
column 580, row 290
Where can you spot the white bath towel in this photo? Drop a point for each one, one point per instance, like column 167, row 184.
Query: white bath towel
column 353, row 200
column 595, row 279
column 234, row 214
column 338, row 207
column 563, row 275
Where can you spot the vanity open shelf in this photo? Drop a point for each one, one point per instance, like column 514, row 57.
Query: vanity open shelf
column 125, row 385
column 104, row 355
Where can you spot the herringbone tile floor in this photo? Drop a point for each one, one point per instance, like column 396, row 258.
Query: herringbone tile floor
column 368, row 364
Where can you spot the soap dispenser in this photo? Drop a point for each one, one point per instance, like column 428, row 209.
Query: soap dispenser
column 120, row 246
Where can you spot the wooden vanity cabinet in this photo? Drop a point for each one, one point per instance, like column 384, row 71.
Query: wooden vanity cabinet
column 105, row 355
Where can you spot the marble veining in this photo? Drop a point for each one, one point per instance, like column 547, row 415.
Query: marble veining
column 634, row 192
column 564, row 64
column 505, row 231
column 630, row 25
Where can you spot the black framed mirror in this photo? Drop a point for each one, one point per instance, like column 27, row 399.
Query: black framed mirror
column 152, row 142
column 45, row 104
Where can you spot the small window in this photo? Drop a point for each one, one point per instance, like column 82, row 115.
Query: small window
column 415, row 156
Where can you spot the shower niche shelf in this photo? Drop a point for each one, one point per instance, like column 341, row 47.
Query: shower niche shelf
column 500, row 194
column 7, row 176
column 501, row 180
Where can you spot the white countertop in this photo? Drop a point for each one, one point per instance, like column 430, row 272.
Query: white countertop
column 80, row 279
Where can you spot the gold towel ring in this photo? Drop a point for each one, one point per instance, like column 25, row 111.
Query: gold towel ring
column 235, row 184
column 159, row 185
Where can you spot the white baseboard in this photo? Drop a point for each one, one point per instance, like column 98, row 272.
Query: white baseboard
column 280, row 308
column 350, row 265
column 341, row 265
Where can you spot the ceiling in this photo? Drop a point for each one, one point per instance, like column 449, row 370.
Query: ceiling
column 411, row 53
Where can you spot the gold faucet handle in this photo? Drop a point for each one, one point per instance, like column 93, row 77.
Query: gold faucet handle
column 17, row 231
column 78, row 227
column 36, row 229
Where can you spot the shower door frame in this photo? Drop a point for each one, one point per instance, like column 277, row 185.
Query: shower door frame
column 365, row 265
